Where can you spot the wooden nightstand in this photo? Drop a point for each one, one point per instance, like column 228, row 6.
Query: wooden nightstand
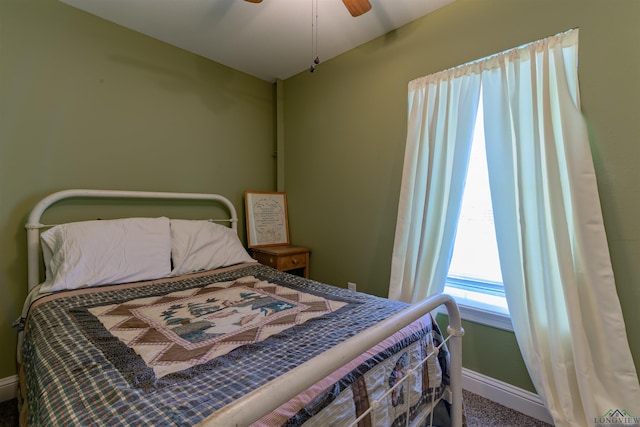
column 284, row 258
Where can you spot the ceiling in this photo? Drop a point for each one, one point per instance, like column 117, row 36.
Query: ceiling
column 270, row 40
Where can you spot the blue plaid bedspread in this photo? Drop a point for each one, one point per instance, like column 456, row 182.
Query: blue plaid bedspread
column 76, row 373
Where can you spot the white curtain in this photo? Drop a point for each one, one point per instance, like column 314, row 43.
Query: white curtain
column 553, row 251
column 442, row 111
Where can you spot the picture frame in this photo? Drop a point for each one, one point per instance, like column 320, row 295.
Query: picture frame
column 266, row 219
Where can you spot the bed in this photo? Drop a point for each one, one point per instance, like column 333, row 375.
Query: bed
column 159, row 321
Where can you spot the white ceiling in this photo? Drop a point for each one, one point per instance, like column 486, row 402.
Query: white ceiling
column 270, row 40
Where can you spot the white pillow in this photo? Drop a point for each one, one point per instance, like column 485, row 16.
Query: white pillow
column 91, row 253
column 203, row 245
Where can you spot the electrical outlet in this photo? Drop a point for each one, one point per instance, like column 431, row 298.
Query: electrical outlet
column 351, row 286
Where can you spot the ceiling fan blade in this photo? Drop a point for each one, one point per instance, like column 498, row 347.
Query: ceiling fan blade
column 357, row 7
column 254, row 1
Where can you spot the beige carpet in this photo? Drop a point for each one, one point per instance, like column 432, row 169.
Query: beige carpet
column 482, row 412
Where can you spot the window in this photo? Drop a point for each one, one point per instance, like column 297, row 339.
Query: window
column 474, row 278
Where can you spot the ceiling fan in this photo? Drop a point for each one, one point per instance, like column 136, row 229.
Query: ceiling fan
column 355, row 7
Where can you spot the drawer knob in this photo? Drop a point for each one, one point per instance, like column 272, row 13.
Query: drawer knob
column 294, row 261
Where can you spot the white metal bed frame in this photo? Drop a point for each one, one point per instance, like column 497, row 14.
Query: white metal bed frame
column 269, row 397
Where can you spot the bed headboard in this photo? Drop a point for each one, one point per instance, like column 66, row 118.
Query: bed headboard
column 34, row 225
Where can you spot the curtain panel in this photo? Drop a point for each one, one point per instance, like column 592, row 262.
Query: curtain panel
column 554, row 256
column 442, row 111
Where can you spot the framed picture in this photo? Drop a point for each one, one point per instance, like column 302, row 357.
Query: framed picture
column 267, row 221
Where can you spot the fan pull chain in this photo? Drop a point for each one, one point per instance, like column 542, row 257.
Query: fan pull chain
column 314, row 35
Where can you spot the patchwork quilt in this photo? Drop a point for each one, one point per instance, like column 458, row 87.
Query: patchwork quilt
column 173, row 351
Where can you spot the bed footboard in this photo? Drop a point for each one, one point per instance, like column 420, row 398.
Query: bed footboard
column 251, row 407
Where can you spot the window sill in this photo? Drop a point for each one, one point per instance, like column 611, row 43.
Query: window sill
column 494, row 315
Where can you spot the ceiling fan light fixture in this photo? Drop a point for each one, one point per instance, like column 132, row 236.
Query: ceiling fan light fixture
column 357, row 7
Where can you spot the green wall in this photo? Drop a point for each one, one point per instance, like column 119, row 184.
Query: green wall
column 85, row 103
column 345, row 128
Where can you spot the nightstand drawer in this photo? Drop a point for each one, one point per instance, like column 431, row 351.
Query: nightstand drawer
column 284, row 258
column 266, row 259
column 292, row 261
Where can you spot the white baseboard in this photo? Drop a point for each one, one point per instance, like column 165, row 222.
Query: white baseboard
column 505, row 394
column 8, row 388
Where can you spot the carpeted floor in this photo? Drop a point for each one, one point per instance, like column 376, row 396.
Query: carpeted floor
column 9, row 413
column 480, row 413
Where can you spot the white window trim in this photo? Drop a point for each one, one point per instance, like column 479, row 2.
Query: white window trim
column 487, row 314
column 480, row 302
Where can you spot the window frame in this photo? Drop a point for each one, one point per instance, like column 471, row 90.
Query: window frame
column 490, row 307
column 496, row 316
